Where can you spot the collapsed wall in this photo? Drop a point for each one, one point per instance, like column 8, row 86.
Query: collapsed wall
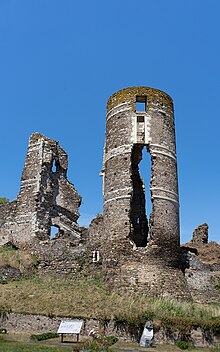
column 202, row 266
column 46, row 198
column 137, row 250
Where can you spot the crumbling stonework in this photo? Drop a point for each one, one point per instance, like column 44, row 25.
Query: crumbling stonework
column 46, row 197
column 200, row 234
column 202, row 266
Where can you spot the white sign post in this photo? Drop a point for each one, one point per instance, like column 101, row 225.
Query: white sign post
column 70, row 327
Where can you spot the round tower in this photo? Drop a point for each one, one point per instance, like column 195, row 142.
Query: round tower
column 140, row 118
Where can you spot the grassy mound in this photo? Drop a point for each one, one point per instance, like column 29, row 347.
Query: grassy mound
column 92, row 299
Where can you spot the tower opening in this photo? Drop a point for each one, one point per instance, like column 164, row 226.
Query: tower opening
column 53, row 231
column 138, row 216
column 54, row 166
column 145, row 171
column 141, row 103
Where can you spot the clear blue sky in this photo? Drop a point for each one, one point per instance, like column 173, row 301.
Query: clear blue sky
column 60, row 60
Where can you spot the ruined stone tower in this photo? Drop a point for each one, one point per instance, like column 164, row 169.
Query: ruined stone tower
column 138, row 118
column 46, row 197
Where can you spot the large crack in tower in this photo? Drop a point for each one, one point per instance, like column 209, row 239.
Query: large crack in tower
column 138, row 218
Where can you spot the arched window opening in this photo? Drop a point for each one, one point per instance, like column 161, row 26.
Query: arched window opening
column 54, row 166
column 141, row 201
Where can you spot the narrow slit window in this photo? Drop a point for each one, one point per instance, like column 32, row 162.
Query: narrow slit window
column 95, row 256
column 140, row 129
column 140, row 118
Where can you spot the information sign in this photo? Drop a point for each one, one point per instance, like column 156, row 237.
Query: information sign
column 70, row 327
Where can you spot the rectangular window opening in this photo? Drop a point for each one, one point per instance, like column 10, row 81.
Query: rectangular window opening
column 95, row 256
column 140, row 118
column 141, row 103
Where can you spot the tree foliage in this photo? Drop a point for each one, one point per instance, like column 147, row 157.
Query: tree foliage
column 3, row 200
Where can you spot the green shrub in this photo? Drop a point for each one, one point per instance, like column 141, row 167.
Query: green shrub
column 111, row 340
column 45, row 336
column 91, row 346
column 3, row 200
column 217, row 286
column 183, row 345
column 212, row 325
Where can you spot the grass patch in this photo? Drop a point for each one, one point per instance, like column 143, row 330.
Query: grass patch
column 6, row 346
column 21, row 343
column 133, row 346
column 87, row 298
column 18, row 259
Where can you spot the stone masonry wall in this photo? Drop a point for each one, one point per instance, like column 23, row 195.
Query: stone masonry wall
column 46, row 197
column 200, row 234
column 38, row 324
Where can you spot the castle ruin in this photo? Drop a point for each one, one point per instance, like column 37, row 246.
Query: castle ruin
column 46, row 198
column 133, row 251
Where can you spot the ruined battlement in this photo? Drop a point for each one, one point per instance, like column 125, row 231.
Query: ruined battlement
column 46, row 197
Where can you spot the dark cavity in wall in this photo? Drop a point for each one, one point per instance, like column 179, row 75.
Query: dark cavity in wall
column 141, row 195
